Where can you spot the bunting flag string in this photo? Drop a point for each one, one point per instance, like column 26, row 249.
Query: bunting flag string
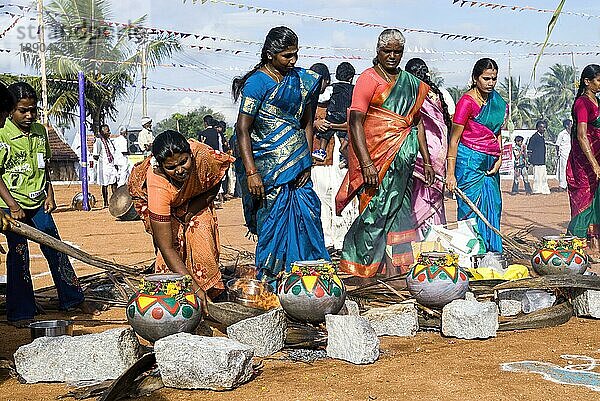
column 443, row 35
column 498, row 6
column 16, row 20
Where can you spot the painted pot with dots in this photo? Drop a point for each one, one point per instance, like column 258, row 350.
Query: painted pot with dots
column 163, row 305
column 436, row 279
column 560, row 254
column 311, row 290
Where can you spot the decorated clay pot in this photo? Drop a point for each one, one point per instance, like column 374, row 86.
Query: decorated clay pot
column 311, row 291
column 163, row 305
column 560, row 255
column 436, row 280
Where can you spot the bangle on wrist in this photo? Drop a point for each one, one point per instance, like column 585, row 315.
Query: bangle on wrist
column 451, row 158
column 427, row 164
column 366, row 165
column 251, row 172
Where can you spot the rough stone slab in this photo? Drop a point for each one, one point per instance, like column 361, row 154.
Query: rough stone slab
column 399, row 320
column 587, row 303
column 265, row 333
column 99, row 356
column 470, row 319
column 352, row 339
column 350, row 308
column 510, row 302
column 188, row 361
column 534, row 300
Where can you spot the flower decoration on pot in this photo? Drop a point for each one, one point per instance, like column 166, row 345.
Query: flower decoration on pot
column 436, row 279
column 164, row 304
column 560, row 255
column 310, row 290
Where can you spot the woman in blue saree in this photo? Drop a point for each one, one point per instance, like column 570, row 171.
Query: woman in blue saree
column 475, row 149
column 274, row 129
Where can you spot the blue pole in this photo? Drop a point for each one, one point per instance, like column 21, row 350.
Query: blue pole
column 83, row 136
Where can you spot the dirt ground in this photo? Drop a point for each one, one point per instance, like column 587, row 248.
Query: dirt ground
column 426, row 367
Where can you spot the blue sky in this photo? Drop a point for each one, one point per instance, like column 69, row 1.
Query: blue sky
column 217, row 69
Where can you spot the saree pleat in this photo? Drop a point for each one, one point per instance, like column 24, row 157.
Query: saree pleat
column 482, row 189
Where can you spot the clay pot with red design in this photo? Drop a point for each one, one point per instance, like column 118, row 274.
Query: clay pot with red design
column 560, row 255
column 307, row 295
column 165, row 305
column 434, row 282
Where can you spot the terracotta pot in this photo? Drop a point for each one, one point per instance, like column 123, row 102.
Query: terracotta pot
column 156, row 316
column 310, row 298
column 560, row 258
column 436, row 284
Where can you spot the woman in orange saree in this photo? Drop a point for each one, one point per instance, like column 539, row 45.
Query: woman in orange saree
column 385, row 140
column 173, row 192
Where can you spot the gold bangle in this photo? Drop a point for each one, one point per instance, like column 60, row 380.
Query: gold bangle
column 251, row 172
column 427, row 165
column 451, row 158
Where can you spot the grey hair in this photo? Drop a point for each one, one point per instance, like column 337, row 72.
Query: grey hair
column 387, row 36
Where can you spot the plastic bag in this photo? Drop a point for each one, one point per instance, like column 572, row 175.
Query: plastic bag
column 461, row 237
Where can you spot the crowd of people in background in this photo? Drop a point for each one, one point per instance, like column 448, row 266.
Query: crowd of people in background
column 358, row 166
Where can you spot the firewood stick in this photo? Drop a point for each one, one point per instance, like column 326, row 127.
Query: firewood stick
column 42, row 238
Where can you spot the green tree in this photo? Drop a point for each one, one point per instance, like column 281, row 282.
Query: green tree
column 559, row 84
column 82, row 40
column 521, row 104
column 190, row 123
column 457, row 91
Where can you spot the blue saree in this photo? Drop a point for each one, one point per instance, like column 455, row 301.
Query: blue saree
column 288, row 223
column 477, row 153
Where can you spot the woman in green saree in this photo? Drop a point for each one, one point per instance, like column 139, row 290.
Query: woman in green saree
column 385, row 134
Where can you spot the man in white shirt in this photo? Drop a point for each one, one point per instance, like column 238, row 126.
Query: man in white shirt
column 563, row 148
column 145, row 137
column 121, row 161
column 104, row 155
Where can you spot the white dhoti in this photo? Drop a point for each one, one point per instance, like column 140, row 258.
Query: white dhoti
column 107, row 174
column 561, row 169
column 540, row 180
column 326, row 182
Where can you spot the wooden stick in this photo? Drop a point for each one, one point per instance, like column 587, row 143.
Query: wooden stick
column 554, row 281
column 42, row 238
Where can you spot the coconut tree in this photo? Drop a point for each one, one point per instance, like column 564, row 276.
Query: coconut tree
column 84, row 39
column 521, row 104
column 457, row 91
column 559, row 84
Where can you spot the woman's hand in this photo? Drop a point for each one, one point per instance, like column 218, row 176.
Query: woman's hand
column 596, row 169
column 17, row 213
column 451, row 182
column 429, row 173
column 302, row 178
column 255, row 186
column 322, row 125
column 200, row 293
column 370, row 175
column 495, row 168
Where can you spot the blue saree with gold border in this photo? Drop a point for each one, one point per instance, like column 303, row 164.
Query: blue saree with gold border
column 288, row 223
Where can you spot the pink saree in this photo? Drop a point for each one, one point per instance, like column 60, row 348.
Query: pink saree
column 428, row 202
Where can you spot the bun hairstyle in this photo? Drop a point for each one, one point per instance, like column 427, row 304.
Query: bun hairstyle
column 590, row 71
column 387, row 36
column 278, row 39
column 419, row 69
column 480, row 66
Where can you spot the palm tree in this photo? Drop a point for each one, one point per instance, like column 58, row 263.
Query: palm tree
column 559, row 84
column 521, row 104
column 109, row 59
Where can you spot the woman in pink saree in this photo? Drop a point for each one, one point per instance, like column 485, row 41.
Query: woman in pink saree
column 428, row 201
column 583, row 165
